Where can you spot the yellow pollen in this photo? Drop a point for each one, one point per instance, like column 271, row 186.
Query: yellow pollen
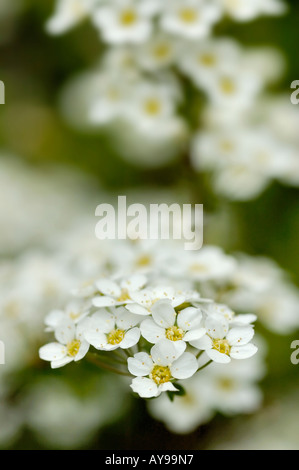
column 188, row 15
column 162, row 51
column 115, row 336
column 207, row 59
column 198, row 268
column 227, row 86
column 73, row 347
column 160, row 374
column 225, row 383
column 152, row 106
column 174, row 333
column 144, row 260
column 74, row 315
column 222, row 346
column 128, row 17
column 124, row 296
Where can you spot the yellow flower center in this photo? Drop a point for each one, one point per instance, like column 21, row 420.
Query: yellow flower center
column 162, row 51
column 225, row 383
column 188, row 15
column 144, row 260
column 124, row 295
column 227, row 146
column 174, row 333
column 115, row 336
column 152, row 106
column 128, row 17
column 227, row 86
column 160, row 374
column 198, row 268
column 207, row 59
column 73, row 347
column 222, row 346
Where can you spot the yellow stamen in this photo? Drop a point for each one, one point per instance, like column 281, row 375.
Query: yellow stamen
column 160, row 374
column 115, row 336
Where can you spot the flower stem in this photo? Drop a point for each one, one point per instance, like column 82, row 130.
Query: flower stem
column 205, row 365
column 94, row 359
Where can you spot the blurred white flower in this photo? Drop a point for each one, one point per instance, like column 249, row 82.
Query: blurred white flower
column 68, row 13
column 242, row 10
column 192, row 19
column 124, row 21
column 185, row 413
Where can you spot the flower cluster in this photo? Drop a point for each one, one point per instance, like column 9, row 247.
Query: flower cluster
column 161, row 329
column 175, row 76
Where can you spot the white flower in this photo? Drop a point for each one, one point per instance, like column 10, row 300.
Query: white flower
column 145, row 299
column 234, row 87
column 69, row 13
column 156, row 372
column 118, row 293
column 152, row 105
column 74, row 311
column 70, row 345
column 177, row 327
column 157, row 53
column 222, row 343
column 192, row 19
column 125, row 20
column 209, row 263
column 200, row 61
column 185, row 413
column 244, row 10
column 233, row 389
column 107, row 330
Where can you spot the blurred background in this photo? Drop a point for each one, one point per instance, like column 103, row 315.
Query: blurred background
column 54, row 170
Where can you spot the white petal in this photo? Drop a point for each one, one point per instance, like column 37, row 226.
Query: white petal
column 140, row 365
column 103, row 301
column 131, row 338
column 146, row 388
column 65, row 331
column 83, row 350
column 151, row 331
column 52, row 351
column 240, row 335
column 189, row 318
column 164, row 352
column 126, row 319
column 217, row 356
column 203, row 343
column 167, row 387
column 184, row 367
column 103, row 321
column 243, row 352
column 194, row 335
column 163, row 313
column 135, row 282
column 96, row 338
column 107, row 287
column 54, row 318
column 244, row 319
column 137, row 309
column 216, row 326
column 61, row 362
